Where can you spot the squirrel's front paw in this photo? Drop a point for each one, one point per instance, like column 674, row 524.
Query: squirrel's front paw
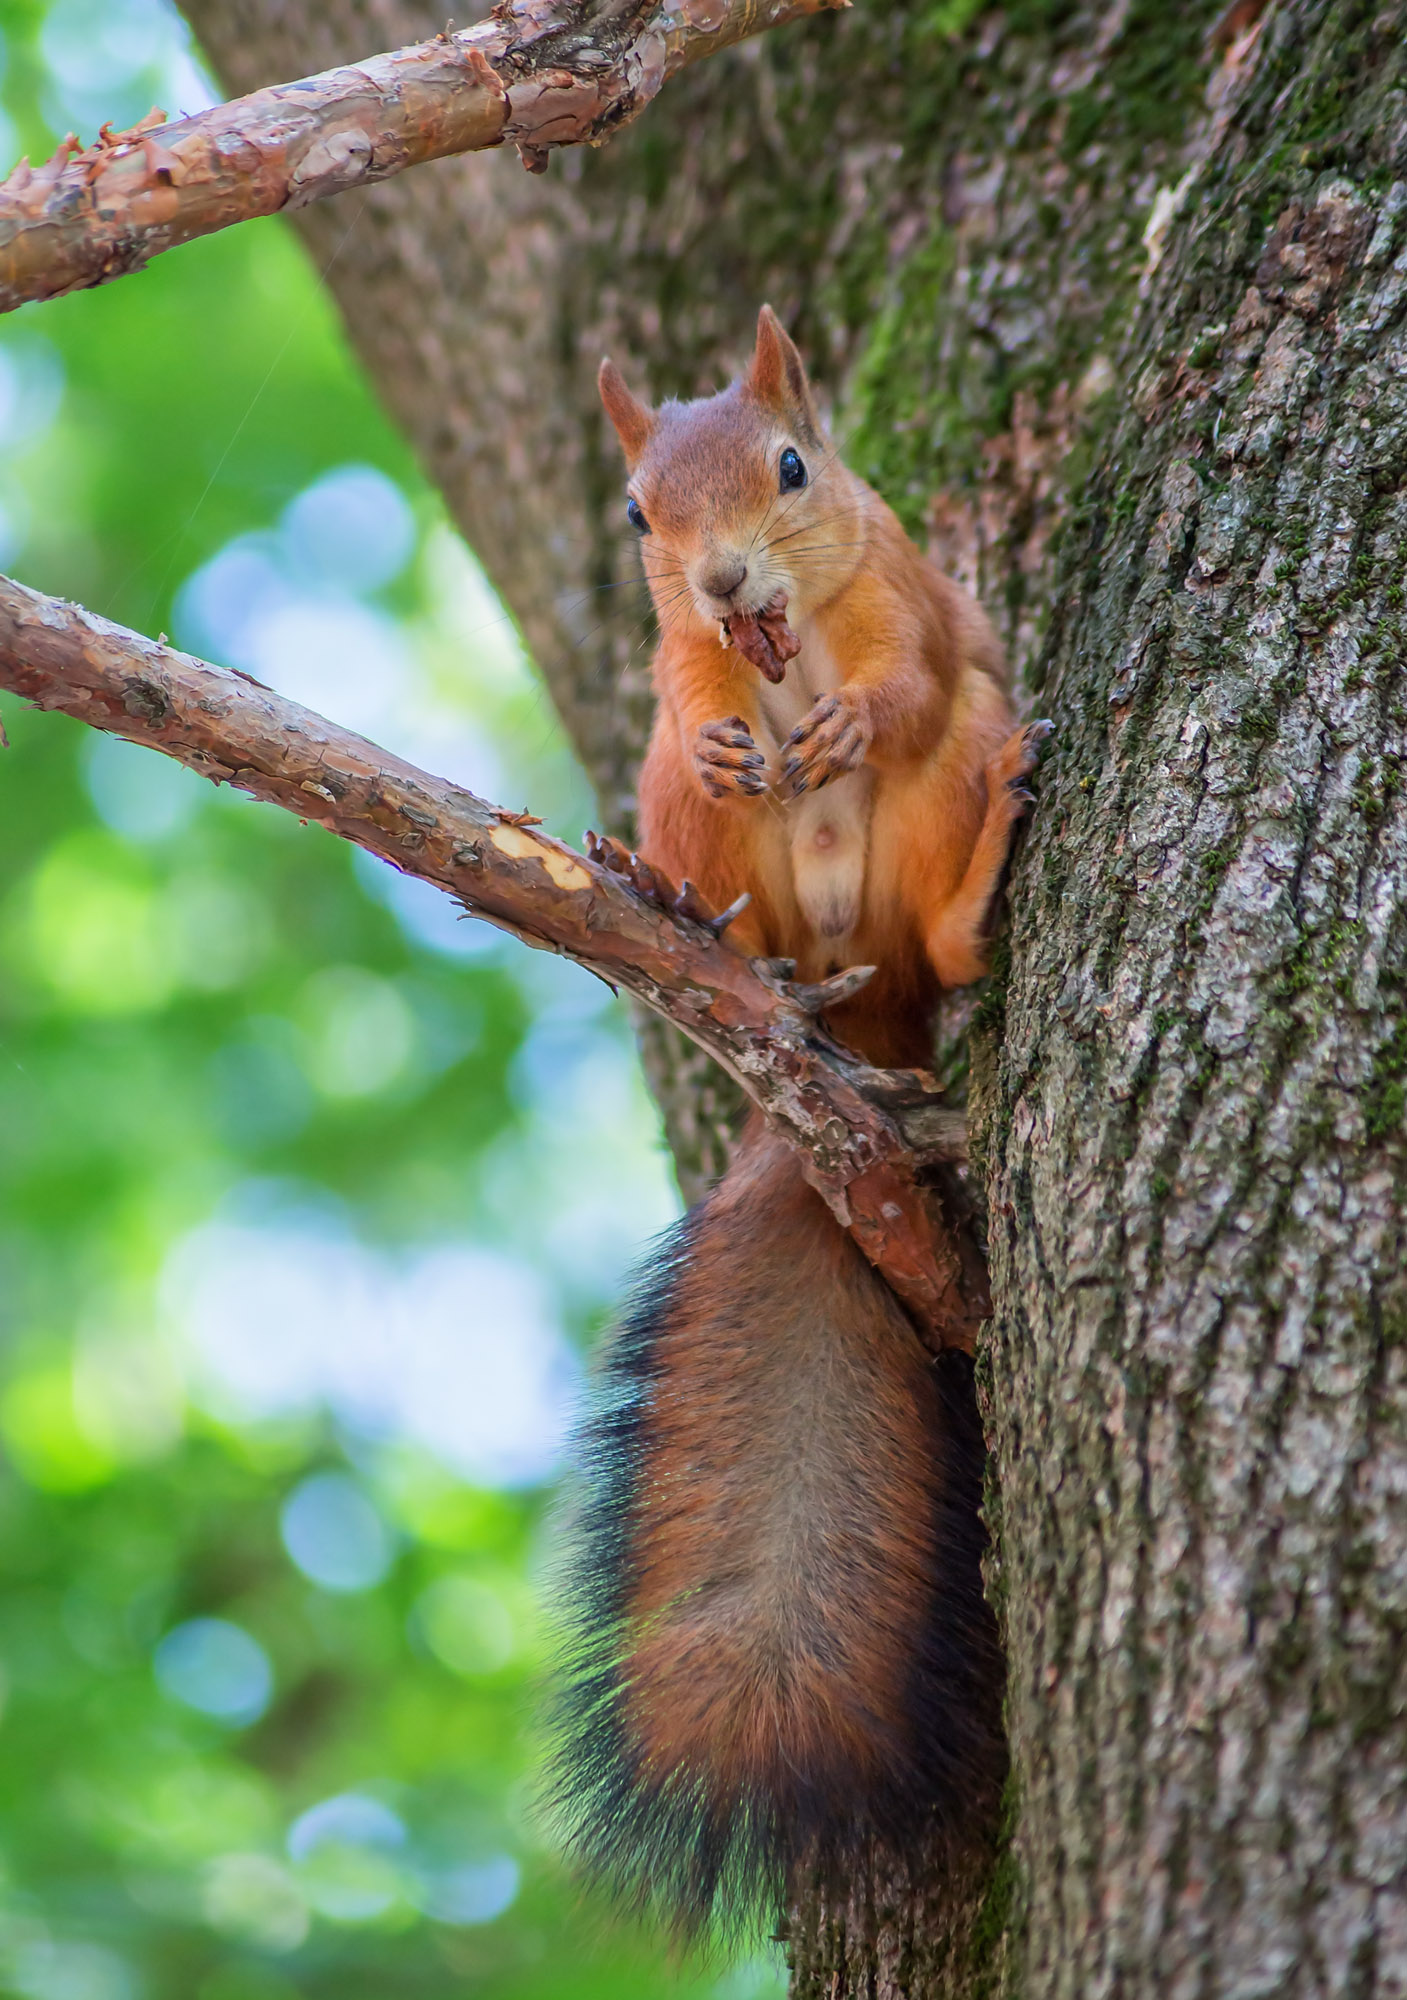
column 830, row 739
column 727, row 759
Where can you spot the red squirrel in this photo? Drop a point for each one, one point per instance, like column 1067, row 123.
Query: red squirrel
column 780, row 1653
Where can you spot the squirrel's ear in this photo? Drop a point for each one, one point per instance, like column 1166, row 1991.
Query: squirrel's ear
column 633, row 419
column 777, row 376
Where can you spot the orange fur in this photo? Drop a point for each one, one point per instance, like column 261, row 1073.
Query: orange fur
column 781, row 1653
column 778, row 1651
column 759, row 1651
column 920, row 704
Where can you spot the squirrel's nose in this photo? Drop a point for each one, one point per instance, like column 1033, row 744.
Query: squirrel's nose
column 723, row 578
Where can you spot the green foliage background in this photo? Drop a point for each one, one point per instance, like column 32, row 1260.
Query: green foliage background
column 214, row 1020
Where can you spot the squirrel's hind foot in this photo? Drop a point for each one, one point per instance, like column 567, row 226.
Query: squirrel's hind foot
column 654, row 885
column 1014, row 763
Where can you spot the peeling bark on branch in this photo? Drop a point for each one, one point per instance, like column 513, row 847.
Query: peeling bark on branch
column 537, row 74
column 866, row 1136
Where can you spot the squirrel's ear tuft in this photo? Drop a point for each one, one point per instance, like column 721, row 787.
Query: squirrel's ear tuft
column 777, row 376
column 633, row 419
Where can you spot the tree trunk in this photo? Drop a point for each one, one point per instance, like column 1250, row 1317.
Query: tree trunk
column 1110, row 302
column 1195, row 1113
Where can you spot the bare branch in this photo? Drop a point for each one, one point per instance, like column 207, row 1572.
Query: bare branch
column 537, row 74
column 866, row 1136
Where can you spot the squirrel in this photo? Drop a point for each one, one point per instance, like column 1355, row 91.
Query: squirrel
column 779, row 1655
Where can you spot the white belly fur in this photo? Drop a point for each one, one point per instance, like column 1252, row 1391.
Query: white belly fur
column 829, row 829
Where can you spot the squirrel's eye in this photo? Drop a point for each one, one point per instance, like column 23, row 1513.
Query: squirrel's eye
column 793, row 472
column 636, row 518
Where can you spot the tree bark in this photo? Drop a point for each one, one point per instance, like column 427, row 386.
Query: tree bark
column 1110, row 299
column 1195, row 1114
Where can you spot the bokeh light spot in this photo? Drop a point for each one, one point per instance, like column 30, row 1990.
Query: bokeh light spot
column 474, row 1893
column 51, row 1969
column 467, row 1625
column 94, row 929
column 348, row 1853
column 251, row 1898
column 352, row 528
column 361, row 1032
column 138, row 792
column 216, row 1667
column 335, row 1533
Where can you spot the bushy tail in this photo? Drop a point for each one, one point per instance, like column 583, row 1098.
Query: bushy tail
column 777, row 1653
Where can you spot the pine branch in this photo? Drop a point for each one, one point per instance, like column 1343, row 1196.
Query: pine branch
column 537, row 74
column 867, row 1137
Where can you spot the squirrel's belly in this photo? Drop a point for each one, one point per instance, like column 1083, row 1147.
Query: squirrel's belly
column 829, row 841
column 828, row 830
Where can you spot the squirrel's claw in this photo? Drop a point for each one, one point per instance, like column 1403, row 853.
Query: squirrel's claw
column 643, row 877
column 829, row 740
column 1014, row 763
column 607, row 852
column 727, row 759
column 689, row 903
column 825, row 993
column 720, row 923
column 652, row 883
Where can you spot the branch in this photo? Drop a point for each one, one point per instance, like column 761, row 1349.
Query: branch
column 866, row 1136
column 537, row 74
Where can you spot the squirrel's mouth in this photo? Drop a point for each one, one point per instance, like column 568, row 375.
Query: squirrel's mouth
column 764, row 637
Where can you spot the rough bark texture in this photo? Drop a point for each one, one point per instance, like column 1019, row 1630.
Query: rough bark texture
column 1019, row 248
column 1199, row 1377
